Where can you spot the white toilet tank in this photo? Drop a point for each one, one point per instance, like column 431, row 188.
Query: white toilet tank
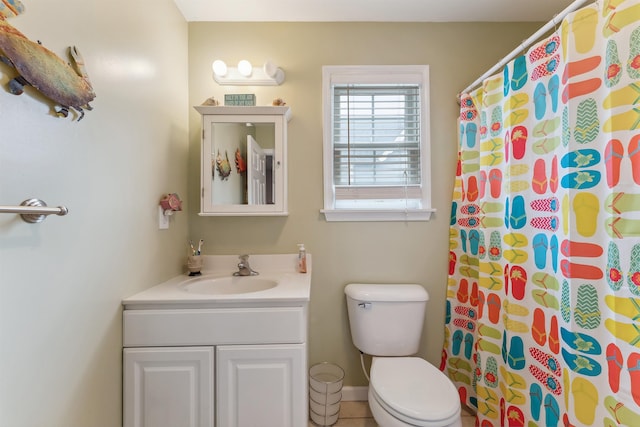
column 385, row 319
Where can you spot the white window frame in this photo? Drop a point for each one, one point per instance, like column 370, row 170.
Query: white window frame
column 375, row 74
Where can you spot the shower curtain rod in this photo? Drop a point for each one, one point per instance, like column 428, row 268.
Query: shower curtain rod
column 525, row 44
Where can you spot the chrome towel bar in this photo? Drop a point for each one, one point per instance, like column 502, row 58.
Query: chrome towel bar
column 34, row 210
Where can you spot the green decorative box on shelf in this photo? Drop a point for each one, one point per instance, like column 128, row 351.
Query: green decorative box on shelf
column 243, row 99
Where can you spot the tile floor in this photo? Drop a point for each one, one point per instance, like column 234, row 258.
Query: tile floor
column 357, row 414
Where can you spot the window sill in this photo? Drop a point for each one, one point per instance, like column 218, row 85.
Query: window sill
column 332, row 215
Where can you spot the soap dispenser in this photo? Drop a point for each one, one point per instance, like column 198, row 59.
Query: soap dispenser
column 302, row 258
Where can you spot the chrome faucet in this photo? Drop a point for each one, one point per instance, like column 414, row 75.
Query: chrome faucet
column 244, row 269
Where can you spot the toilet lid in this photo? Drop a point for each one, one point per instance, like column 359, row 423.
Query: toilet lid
column 414, row 390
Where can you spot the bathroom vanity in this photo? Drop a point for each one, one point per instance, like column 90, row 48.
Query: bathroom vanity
column 219, row 350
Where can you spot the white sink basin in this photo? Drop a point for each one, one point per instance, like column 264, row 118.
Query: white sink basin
column 227, row 285
column 278, row 284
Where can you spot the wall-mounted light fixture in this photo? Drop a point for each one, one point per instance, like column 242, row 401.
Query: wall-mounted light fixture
column 246, row 74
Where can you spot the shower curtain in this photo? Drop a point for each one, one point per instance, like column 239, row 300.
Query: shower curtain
column 543, row 301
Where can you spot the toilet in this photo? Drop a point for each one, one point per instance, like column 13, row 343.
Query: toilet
column 404, row 391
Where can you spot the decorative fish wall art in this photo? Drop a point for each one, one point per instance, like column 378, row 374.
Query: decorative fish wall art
column 37, row 66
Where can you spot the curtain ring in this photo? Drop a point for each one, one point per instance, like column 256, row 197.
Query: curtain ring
column 555, row 23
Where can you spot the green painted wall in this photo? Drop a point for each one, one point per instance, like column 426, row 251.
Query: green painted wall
column 346, row 252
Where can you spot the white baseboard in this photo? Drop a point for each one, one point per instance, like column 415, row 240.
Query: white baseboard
column 350, row 393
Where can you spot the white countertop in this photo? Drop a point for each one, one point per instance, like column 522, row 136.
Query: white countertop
column 293, row 288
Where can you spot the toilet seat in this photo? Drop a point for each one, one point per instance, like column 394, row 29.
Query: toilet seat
column 414, row 391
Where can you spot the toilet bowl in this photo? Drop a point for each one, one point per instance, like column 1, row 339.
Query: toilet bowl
column 411, row 392
column 404, row 391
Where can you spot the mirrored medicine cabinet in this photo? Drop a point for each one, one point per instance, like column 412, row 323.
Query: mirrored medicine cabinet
column 244, row 161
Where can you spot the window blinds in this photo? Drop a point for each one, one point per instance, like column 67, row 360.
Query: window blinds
column 376, row 141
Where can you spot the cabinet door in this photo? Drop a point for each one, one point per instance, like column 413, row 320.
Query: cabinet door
column 261, row 385
column 168, row 387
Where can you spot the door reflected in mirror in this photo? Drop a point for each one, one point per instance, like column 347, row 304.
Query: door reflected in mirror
column 242, row 163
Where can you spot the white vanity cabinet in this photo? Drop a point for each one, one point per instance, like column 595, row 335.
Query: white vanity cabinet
column 168, row 386
column 259, row 385
column 224, row 367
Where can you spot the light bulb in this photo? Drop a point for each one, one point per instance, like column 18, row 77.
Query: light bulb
column 219, row 67
column 270, row 69
column 245, row 68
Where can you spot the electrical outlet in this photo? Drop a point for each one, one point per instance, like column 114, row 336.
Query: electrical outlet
column 163, row 220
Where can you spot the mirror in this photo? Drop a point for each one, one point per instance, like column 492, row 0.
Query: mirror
column 242, row 163
column 243, row 170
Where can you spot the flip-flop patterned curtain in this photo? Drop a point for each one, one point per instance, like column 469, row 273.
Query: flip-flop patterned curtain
column 543, row 308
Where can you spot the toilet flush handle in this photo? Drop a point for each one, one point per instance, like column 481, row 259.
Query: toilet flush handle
column 365, row 305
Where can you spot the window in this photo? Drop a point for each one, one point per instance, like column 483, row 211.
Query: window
column 376, row 143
